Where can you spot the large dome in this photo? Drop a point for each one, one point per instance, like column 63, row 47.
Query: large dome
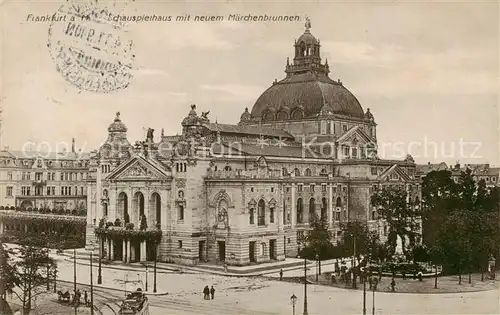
column 307, row 91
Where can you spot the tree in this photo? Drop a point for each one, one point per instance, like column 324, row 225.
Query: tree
column 7, row 272
column 144, row 223
column 355, row 231
column 33, row 268
column 439, row 198
column 318, row 240
column 400, row 214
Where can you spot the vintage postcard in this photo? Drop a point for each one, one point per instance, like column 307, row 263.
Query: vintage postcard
column 249, row 157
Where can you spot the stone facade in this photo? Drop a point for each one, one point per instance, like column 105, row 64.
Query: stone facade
column 244, row 194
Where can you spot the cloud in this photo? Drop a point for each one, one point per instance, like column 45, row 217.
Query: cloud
column 235, row 91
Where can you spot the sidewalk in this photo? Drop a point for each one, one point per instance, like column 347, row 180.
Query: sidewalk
column 265, row 269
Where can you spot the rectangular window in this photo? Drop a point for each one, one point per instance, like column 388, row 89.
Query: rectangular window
column 354, row 152
column 311, row 188
column 344, row 128
column 69, row 191
column 323, row 188
column 9, row 175
column 346, row 152
column 81, row 191
column 299, row 188
column 180, row 244
column 28, row 176
column 66, row 176
column 53, row 190
column 62, row 176
column 9, row 191
column 252, row 216
column 271, row 215
column 337, row 215
column 38, row 176
column 62, row 191
column 272, row 189
column 374, row 171
column 48, row 191
column 23, row 176
column 181, row 212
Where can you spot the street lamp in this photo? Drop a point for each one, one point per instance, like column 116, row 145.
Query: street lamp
column 154, row 278
column 146, row 278
column 317, row 259
column 374, row 285
column 55, row 279
column 74, row 269
column 91, row 281
column 354, row 262
column 293, row 298
column 363, row 274
column 305, row 286
column 99, row 275
column 436, row 276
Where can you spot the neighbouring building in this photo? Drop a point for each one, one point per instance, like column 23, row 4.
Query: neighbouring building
column 42, row 191
column 244, row 193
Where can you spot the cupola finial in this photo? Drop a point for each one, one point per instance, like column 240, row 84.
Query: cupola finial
column 308, row 24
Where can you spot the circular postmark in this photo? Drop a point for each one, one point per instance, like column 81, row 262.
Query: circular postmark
column 90, row 47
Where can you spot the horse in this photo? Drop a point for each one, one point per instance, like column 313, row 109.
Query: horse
column 63, row 297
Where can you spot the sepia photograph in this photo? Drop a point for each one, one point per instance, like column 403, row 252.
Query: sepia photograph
column 249, row 157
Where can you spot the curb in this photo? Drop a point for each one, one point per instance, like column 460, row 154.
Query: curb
column 82, row 261
column 100, row 286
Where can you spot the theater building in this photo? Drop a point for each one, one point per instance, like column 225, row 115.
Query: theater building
column 244, row 193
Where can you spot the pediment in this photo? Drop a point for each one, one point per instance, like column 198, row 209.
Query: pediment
column 138, row 169
column 356, row 136
column 394, row 174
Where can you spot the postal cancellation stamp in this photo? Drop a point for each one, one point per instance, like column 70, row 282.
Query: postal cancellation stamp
column 90, row 48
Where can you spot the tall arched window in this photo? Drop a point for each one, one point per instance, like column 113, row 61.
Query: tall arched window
column 284, row 171
column 300, row 211
column 308, row 172
column 138, row 206
column 338, row 208
column 261, row 215
column 312, row 209
column 123, row 207
column 324, row 207
column 296, row 172
column 156, row 205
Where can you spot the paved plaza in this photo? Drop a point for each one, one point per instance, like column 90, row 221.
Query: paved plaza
column 181, row 293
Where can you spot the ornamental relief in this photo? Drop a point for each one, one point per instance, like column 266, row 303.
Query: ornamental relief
column 138, row 170
column 180, row 182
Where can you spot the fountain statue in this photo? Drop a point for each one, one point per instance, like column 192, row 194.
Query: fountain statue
column 399, row 246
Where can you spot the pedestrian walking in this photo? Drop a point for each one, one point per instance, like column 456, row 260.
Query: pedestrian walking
column 393, row 285
column 281, row 274
column 85, row 297
column 206, row 293
column 225, row 267
column 212, row 292
column 420, row 276
column 404, row 275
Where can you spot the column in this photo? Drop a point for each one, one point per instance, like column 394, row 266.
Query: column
column 330, row 204
column 293, row 207
column 1, row 227
column 129, row 247
column 124, row 250
column 111, row 249
column 143, row 251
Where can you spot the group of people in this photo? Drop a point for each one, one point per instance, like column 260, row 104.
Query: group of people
column 208, row 293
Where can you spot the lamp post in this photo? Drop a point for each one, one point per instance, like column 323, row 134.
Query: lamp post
column 293, row 298
column 91, row 282
column 74, row 269
column 154, row 277
column 363, row 274
column 436, row 276
column 48, row 277
column 99, row 275
column 373, row 298
column 354, row 262
column 317, row 259
column 146, row 278
column 55, row 280
column 305, row 286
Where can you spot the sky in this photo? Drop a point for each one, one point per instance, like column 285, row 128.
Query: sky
column 428, row 71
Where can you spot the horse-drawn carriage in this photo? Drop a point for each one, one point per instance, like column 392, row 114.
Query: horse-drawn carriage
column 63, row 297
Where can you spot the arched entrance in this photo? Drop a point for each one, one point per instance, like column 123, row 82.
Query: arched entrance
column 123, row 208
